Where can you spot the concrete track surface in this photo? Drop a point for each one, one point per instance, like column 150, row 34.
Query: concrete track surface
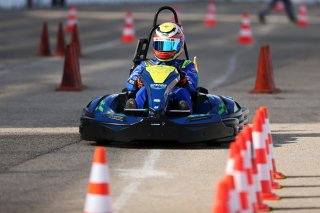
column 44, row 166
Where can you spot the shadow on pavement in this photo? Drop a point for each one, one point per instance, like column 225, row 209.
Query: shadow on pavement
column 278, row 139
column 301, row 197
column 300, row 186
column 162, row 145
column 304, row 176
column 295, row 208
column 281, row 139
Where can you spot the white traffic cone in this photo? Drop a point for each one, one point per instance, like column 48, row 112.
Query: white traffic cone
column 98, row 198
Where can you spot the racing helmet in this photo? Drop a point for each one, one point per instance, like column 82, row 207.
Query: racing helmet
column 168, row 41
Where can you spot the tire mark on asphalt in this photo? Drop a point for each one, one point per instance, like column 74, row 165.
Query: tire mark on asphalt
column 6, row 169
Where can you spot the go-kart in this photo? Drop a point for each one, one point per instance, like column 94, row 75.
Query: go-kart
column 214, row 119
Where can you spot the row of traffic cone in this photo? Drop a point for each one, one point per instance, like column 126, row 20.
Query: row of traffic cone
column 71, row 78
column 44, row 46
column 128, row 33
column 302, row 20
column 250, row 171
column 245, row 35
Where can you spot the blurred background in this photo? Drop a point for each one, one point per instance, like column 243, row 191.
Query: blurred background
column 11, row 4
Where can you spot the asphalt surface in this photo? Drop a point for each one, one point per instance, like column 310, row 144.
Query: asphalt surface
column 44, row 166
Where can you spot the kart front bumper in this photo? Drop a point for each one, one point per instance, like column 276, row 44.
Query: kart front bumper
column 151, row 129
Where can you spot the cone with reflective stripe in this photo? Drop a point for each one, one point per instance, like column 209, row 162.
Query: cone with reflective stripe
column 303, row 20
column 276, row 174
column 72, row 18
column 221, row 203
column 234, row 204
column 261, row 157
column 265, row 80
column 245, row 36
column 61, row 47
column 44, row 47
column 246, row 156
column 210, row 19
column 279, row 7
column 274, row 184
column 71, row 78
column 247, row 131
column 128, row 33
column 98, row 198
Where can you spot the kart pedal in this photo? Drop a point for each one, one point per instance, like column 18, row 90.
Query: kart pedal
column 131, row 104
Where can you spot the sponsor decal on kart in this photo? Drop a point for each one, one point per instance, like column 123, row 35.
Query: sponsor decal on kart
column 158, row 86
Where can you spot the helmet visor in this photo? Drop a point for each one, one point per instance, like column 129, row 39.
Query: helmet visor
column 172, row 45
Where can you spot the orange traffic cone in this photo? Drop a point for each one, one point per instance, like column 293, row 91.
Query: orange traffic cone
column 221, row 204
column 72, row 18
column 44, row 47
column 60, row 48
column 261, row 156
column 247, row 132
column 234, row 151
column 76, row 41
column 246, row 156
column 98, row 198
column 71, row 78
column 279, row 7
column 303, row 20
column 210, row 19
column 274, row 184
column 245, row 36
column 264, row 81
column 128, row 33
column 276, row 174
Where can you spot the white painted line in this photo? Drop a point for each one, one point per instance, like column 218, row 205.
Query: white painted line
column 233, row 59
column 132, row 187
column 39, row 130
column 230, row 70
column 232, row 66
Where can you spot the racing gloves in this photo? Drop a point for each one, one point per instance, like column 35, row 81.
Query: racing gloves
column 138, row 83
column 183, row 80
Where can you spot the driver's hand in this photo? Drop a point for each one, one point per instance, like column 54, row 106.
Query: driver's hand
column 183, row 79
column 139, row 83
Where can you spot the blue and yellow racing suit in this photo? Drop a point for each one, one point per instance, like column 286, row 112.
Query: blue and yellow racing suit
column 178, row 93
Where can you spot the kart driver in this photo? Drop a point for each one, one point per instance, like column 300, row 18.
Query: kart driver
column 168, row 42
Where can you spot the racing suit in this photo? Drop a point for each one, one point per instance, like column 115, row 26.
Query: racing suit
column 178, row 93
